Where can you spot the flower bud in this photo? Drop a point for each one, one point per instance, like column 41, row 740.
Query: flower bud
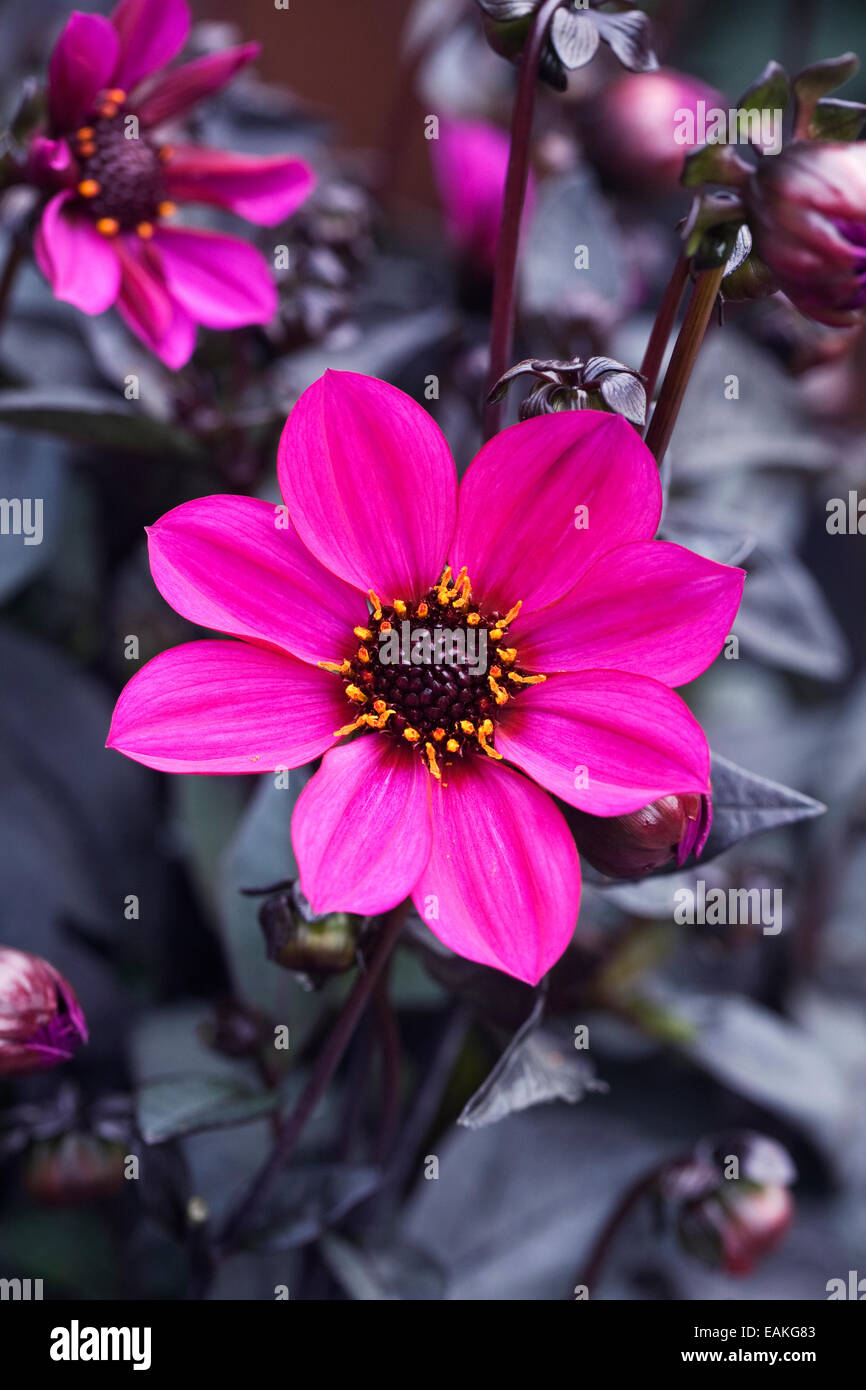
column 600, row 383
column 807, row 213
column 318, row 947
column 41, row 1021
column 74, row 1168
column 643, row 127
column 745, row 1206
column 633, row 845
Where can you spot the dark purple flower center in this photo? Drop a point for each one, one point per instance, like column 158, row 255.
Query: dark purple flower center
column 434, row 673
column 121, row 179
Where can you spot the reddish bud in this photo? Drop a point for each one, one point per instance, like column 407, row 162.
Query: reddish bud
column 41, row 1021
column 639, row 136
column 633, row 845
column 75, row 1168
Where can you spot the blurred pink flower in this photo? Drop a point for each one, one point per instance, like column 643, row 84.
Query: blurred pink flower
column 585, row 622
column 41, row 1022
column 470, row 159
column 103, row 238
column 635, row 121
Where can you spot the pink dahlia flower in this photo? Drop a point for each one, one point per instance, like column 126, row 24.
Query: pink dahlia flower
column 41, row 1022
column 470, row 161
column 437, row 774
column 103, row 239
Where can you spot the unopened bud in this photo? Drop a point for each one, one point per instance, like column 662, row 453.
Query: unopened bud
column 74, row 1168
column 318, row 947
column 630, row 846
column 41, row 1021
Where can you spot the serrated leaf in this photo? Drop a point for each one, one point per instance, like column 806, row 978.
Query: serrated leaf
column 539, row 1065
column 574, row 38
column 834, row 119
column 96, row 419
column 628, row 35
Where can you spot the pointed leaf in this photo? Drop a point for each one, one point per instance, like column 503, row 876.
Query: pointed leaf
column 574, row 38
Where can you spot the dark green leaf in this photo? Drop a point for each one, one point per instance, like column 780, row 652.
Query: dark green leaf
column 834, row 119
column 770, row 92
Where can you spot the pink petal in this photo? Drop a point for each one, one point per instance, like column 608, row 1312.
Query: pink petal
column 151, row 33
column 607, row 742
column 45, row 158
column 82, row 63
column 216, row 279
column 361, row 828
column 370, row 484
column 227, row 707
column 519, row 528
column 80, row 265
column 148, row 309
column 190, row 83
column 650, row 607
column 264, row 190
column 502, row 885
column 229, row 563
column 470, row 160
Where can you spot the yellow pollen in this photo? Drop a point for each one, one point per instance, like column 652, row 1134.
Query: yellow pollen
column 400, row 608
column 340, row 668
column 512, row 613
column 145, row 230
column 423, row 610
column 385, row 627
column 497, row 634
column 438, row 734
column 465, row 589
column 85, row 132
column 350, row 728
column 88, row 188
column 376, row 605
column 108, row 226
column 86, row 149
column 411, row 735
column 379, row 706
column 363, row 654
column 500, row 695
column 484, row 732
column 166, row 209
column 525, row 680
column 116, row 94
column 430, row 752
column 355, row 693
column 507, row 654
column 452, row 745
column 377, row 721
column 496, row 671
column 363, row 634
column 467, row 726
column 473, row 619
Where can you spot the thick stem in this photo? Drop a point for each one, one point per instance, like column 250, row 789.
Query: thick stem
column 517, row 177
column 389, row 1042
column 327, row 1063
column 683, row 359
column 663, row 326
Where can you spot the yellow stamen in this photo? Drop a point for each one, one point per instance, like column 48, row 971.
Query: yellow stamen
column 355, row 693
column 500, row 695
column 422, row 609
column 379, row 706
column 525, row 680
column 400, row 608
column 512, row 613
column 444, row 591
column 484, row 732
column 166, row 209
column 363, row 634
column 385, row 627
column 411, row 735
column 377, row 605
column 507, row 654
column 145, row 230
column 108, row 226
column 496, row 671
column 452, row 745
column 473, row 619
column 116, row 94
column 430, row 752
column 340, row 668
column 377, row 721
column 88, row 188
column 108, row 109
column 497, row 634
column 465, row 588
column 86, row 149
column 85, row 132
column 467, row 726
column 363, row 655
column 438, row 734
column 350, row 728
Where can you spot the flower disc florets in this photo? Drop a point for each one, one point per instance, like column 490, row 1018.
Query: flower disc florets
column 121, row 183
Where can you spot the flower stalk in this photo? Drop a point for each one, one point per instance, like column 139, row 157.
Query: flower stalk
column 682, row 362
column 663, row 326
column 328, row 1061
column 517, row 178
